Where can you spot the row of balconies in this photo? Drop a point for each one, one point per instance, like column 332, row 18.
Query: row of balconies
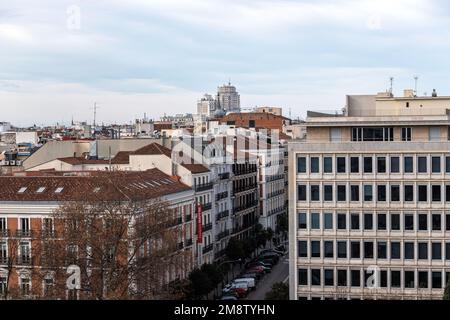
column 203, row 186
column 250, row 170
column 22, row 260
column 207, row 248
column 221, row 195
column 246, row 206
column 277, row 210
column 275, row 193
column 271, row 178
column 222, row 235
column 207, row 227
column 5, row 233
column 224, row 176
column 222, row 214
column 244, row 188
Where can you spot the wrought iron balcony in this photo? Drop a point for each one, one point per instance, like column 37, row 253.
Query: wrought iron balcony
column 4, row 233
column 222, row 235
column 24, row 260
column 180, row 245
column 207, row 206
column 207, row 248
column 4, row 260
column 224, row 176
column 188, row 217
column 189, row 242
column 24, row 233
column 221, row 195
column 207, row 227
column 203, row 187
column 222, row 214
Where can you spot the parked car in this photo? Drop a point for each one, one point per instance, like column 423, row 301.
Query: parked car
column 267, row 261
column 253, row 275
column 269, row 255
column 256, row 269
column 278, row 252
column 240, row 288
column 281, row 248
column 265, row 268
column 251, row 284
column 229, row 298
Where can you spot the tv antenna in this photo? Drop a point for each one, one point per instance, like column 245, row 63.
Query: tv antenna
column 416, row 78
column 95, row 112
column 391, row 79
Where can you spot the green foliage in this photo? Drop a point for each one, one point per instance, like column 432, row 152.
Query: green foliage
column 235, row 249
column 447, row 291
column 280, row 291
column 282, row 225
column 200, row 283
column 214, row 274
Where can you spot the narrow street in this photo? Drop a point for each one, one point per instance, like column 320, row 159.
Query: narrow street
column 279, row 274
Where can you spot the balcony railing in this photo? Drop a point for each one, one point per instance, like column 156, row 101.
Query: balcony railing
column 224, row 176
column 24, row 261
column 207, row 248
column 271, row 178
column 203, row 187
column 245, row 207
column 207, row 206
column 244, row 188
column 247, row 170
column 275, row 193
column 222, row 235
column 222, row 214
column 24, row 233
column 4, row 233
column 189, row 242
column 4, row 260
column 207, row 227
column 221, row 195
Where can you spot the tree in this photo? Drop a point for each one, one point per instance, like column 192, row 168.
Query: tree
column 124, row 248
column 283, row 225
column 214, row 273
column 249, row 246
column 201, row 284
column 235, row 249
column 447, row 291
column 280, row 291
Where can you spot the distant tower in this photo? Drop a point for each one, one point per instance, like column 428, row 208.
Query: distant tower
column 228, row 98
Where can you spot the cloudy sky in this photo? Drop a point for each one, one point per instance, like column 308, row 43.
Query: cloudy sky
column 159, row 56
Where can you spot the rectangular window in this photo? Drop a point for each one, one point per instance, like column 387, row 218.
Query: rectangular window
column 329, row 277
column 303, row 249
column 335, row 134
column 368, row 195
column 436, row 164
column 327, row 193
column 436, row 249
column 383, row 279
column 342, row 221
column 368, row 249
column 301, row 192
column 436, row 193
column 368, row 221
column 328, row 221
column 354, row 164
column 328, row 249
column 395, row 221
column 409, row 222
column 423, row 279
column 422, row 164
column 409, row 250
column 423, row 222
column 381, row 164
column 303, row 277
column 301, row 164
column 447, row 164
column 436, row 222
column 342, row 249
column 447, row 222
column 395, row 164
column 355, row 249
column 342, row 278
column 315, row 221
column 354, row 190
column 354, row 220
column 435, row 133
column 395, row 279
column 355, row 278
column 315, row 277
column 314, row 165
column 447, row 193
column 341, row 193
column 381, row 250
column 406, row 134
column 447, row 251
column 395, row 250
column 436, row 279
column 408, row 165
column 409, row 279
column 422, row 192
column 395, row 193
column 327, row 164
column 302, row 220
column 340, row 164
column 423, row 250
column 381, row 193
column 381, row 221
column 409, row 193
column 315, row 193
column 315, row 249
column 368, row 164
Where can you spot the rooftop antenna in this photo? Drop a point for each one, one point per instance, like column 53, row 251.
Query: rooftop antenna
column 391, row 79
column 95, row 112
column 290, row 116
column 229, row 81
column 415, row 85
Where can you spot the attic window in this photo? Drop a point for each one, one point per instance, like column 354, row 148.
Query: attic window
column 59, row 190
column 22, row 190
column 97, row 189
column 40, row 190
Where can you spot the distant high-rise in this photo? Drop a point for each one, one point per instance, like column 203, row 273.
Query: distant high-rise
column 206, row 105
column 228, row 98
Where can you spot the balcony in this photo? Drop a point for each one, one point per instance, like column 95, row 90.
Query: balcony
column 245, row 207
column 222, row 214
column 222, row 235
column 271, row 178
column 244, row 188
column 189, row 242
column 221, row 195
column 24, row 261
column 4, row 233
column 203, row 187
column 207, row 206
column 207, row 227
column 188, row 217
column 275, row 193
column 207, row 248
column 24, row 233
column 4, row 260
column 245, row 170
column 224, row 176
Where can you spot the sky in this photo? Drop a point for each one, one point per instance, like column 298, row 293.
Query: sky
column 158, row 57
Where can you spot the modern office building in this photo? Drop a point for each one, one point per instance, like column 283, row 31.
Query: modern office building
column 369, row 200
column 228, row 98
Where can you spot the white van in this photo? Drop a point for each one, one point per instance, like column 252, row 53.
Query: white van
column 249, row 281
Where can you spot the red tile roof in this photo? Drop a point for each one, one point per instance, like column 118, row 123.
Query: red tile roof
column 152, row 149
column 195, row 168
column 122, row 157
column 81, row 160
column 90, row 186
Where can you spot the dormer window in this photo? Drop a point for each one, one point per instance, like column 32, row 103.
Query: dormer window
column 22, row 190
column 40, row 190
column 59, row 189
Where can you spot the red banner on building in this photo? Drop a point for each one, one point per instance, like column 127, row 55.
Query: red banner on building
column 199, row 224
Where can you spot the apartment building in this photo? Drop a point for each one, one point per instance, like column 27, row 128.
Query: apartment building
column 28, row 203
column 369, row 200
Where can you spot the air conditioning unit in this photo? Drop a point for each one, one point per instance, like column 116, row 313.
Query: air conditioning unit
column 12, row 162
column 6, row 163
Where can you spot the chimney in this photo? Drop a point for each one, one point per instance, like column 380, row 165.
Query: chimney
column 408, row 93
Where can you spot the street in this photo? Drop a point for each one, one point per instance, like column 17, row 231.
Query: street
column 279, row 274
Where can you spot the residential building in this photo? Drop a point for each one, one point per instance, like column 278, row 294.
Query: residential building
column 207, row 105
column 228, row 98
column 259, row 120
column 369, row 200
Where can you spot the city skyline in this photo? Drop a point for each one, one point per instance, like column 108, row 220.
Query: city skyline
column 162, row 56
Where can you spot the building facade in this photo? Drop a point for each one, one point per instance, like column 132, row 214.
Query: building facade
column 369, row 201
